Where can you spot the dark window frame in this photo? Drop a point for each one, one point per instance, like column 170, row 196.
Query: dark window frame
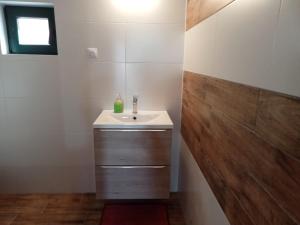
column 12, row 13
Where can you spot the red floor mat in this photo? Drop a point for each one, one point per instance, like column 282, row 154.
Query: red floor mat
column 135, row 215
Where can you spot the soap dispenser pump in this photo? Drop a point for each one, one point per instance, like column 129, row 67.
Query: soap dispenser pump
column 118, row 105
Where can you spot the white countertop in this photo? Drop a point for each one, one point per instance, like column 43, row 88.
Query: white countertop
column 144, row 120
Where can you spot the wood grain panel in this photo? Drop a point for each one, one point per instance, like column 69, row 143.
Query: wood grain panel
column 198, row 10
column 132, row 183
column 225, row 196
column 234, row 168
column 244, row 144
column 220, row 93
column 132, row 148
column 262, row 179
column 279, row 121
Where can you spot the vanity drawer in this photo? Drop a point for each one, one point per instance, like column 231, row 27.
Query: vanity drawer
column 132, row 147
column 131, row 182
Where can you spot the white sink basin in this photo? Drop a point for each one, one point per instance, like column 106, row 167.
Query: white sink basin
column 129, row 117
column 141, row 120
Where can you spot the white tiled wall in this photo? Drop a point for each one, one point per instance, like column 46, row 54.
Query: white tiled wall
column 286, row 53
column 160, row 43
column 168, row 11
column 157, row 85
column 250, row 42
column 48, row 103
column 200, row 47
column 110, row 39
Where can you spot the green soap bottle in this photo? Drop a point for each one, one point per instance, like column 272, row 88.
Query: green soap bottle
column 118, row 105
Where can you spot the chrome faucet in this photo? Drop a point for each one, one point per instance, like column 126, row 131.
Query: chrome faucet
column 135, row 104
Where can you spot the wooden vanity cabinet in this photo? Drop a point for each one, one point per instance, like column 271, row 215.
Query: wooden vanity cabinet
column 132, row 164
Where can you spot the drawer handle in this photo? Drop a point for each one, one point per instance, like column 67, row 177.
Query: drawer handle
column 132, row 167
column 128, row 130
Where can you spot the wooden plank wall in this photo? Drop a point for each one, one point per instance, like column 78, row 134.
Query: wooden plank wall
column 247, row 143
column 198, row 10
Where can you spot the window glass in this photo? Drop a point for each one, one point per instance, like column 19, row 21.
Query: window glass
column 33, row 31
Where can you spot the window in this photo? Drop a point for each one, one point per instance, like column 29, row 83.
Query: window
column 30, row 30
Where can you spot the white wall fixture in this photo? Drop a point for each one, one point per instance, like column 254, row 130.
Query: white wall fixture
column 92, row 53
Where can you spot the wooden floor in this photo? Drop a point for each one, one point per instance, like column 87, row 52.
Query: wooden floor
column 70, row 209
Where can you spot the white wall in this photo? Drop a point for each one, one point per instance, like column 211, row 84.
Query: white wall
column 48, row 103
column 250, row 42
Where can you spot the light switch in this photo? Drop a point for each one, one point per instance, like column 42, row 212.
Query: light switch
column 92, row 53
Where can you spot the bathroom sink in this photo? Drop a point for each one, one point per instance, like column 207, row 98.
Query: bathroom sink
column 130, row 117
column 142, row 120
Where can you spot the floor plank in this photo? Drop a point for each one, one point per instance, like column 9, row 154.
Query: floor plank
column 58, row 209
